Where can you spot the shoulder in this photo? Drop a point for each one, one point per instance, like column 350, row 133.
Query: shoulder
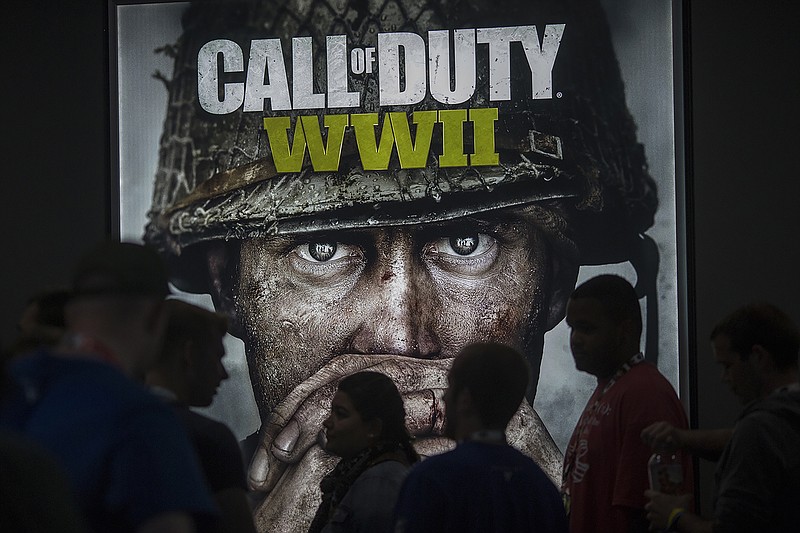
column 435, row 463
column 87, row 386
column 370, row 501
column 469, row 459
column 432, row 473
column 772, row 414
column 644, row 394
column 386, row 472
column 90, row 377
column 648, row 371
column 47, row 369
column 379, row 482
column 645, row 379
column 786, row 405
column 389, row 468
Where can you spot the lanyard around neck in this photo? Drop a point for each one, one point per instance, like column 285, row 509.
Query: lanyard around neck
column 90, row 347
column 621, row 371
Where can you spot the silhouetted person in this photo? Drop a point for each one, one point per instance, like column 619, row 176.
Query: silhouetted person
column 758, row 473
column 366, row 429
column 187, row 374
column 128, row 461
column 484, row 484
column 34, row 491
column 605, row 464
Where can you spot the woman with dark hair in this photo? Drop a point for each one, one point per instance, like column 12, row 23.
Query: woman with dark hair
column 366, row 428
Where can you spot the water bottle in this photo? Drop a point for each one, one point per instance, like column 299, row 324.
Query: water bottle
column 665, row 470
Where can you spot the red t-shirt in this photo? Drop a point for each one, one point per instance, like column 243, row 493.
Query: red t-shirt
column 605, row 465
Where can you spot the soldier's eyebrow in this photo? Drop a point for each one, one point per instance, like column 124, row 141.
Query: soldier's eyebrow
column 462, row 225
column 498, row 226
column 290, row 241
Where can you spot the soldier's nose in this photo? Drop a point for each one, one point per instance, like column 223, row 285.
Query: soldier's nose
column 401, row 318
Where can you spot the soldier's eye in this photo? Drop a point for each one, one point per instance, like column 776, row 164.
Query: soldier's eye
column 466, row 245
column 322, row 251
column 463, row 252
column 325, row 251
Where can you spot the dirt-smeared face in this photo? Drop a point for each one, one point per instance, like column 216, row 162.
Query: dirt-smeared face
column 421, row 291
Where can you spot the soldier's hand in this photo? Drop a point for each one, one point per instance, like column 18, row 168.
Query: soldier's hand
column 291, row 460
column 527, row 433
column 295, row 425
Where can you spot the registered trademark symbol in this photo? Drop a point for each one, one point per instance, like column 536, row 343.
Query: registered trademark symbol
column 559, row 94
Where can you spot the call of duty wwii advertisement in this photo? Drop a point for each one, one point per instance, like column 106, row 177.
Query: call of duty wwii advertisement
column 376, row 183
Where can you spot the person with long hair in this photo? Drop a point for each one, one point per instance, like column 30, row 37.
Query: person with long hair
column 366, row 429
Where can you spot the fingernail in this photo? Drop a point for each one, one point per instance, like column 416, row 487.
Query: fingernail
column 286, row 439
column 259, row 468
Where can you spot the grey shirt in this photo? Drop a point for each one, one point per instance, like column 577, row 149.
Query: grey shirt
column 758, row 474
column 368, row 507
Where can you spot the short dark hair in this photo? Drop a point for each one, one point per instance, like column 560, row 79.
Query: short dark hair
column 186, row 322
column 616, row 295
column 496, row 376
column 375, row 396
column 763, row 324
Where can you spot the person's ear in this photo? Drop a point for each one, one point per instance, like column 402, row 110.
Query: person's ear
column 186, row 355
column 565, row 275
column 762, row 358
column 627, row 332
column 464, row 403
column 223, row 275
column 374, row 429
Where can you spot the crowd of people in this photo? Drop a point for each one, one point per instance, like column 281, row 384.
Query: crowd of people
column 99, row 431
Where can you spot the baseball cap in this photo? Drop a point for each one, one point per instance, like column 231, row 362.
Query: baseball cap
column 120, row 268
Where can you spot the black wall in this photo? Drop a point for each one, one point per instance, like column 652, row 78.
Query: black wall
column 744, row 148
column 55, row 145
column 745, row 177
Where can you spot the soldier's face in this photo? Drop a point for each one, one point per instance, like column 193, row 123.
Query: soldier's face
column 420, row 291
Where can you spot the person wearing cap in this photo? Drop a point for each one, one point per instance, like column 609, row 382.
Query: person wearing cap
column 324, row 273
column 128, row 462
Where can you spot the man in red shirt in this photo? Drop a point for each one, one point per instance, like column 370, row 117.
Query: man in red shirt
column 605, row 464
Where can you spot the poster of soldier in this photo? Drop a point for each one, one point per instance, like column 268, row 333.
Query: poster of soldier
column 376, row 183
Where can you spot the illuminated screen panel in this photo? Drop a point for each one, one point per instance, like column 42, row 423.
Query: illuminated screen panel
column 378, row 186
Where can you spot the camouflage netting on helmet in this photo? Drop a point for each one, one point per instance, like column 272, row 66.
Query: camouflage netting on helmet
column 576, row 151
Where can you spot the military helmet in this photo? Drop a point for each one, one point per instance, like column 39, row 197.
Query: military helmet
column 573, row 152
